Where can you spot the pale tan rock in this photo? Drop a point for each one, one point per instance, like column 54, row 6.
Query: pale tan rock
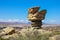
column 6, row 31
column 14, row 35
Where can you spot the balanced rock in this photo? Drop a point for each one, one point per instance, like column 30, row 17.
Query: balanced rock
column 36, row 16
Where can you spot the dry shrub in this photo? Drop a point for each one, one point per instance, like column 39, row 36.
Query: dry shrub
column 34, row 34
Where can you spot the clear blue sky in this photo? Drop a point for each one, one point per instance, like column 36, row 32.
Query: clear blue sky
column 18, row 9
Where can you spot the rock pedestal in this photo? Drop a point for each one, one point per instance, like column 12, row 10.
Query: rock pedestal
column 36, row 24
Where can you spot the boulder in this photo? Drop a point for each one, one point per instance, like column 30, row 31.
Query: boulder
column 6, row 31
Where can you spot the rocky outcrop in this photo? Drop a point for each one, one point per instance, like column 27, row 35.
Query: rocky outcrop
column 36, row 16
column 7, row 31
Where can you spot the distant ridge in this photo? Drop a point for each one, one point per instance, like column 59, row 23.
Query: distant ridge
column 10, row 23
column 23, row 23
column 14, row 23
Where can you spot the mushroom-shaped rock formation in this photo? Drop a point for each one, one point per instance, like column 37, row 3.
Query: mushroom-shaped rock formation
column 36, row 16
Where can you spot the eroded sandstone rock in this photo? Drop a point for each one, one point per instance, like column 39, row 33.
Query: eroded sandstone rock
column 6, row 31
column 36, row 16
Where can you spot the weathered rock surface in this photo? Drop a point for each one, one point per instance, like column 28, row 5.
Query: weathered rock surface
column 36, row 16
column 9, row 32
column 34, row 9
column 6, row 31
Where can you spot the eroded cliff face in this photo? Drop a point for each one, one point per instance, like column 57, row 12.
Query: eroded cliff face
column 36, row 16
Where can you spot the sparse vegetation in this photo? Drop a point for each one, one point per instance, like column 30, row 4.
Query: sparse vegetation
column 34, row 34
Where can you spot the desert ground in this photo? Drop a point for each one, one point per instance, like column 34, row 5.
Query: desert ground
column 26, row 32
